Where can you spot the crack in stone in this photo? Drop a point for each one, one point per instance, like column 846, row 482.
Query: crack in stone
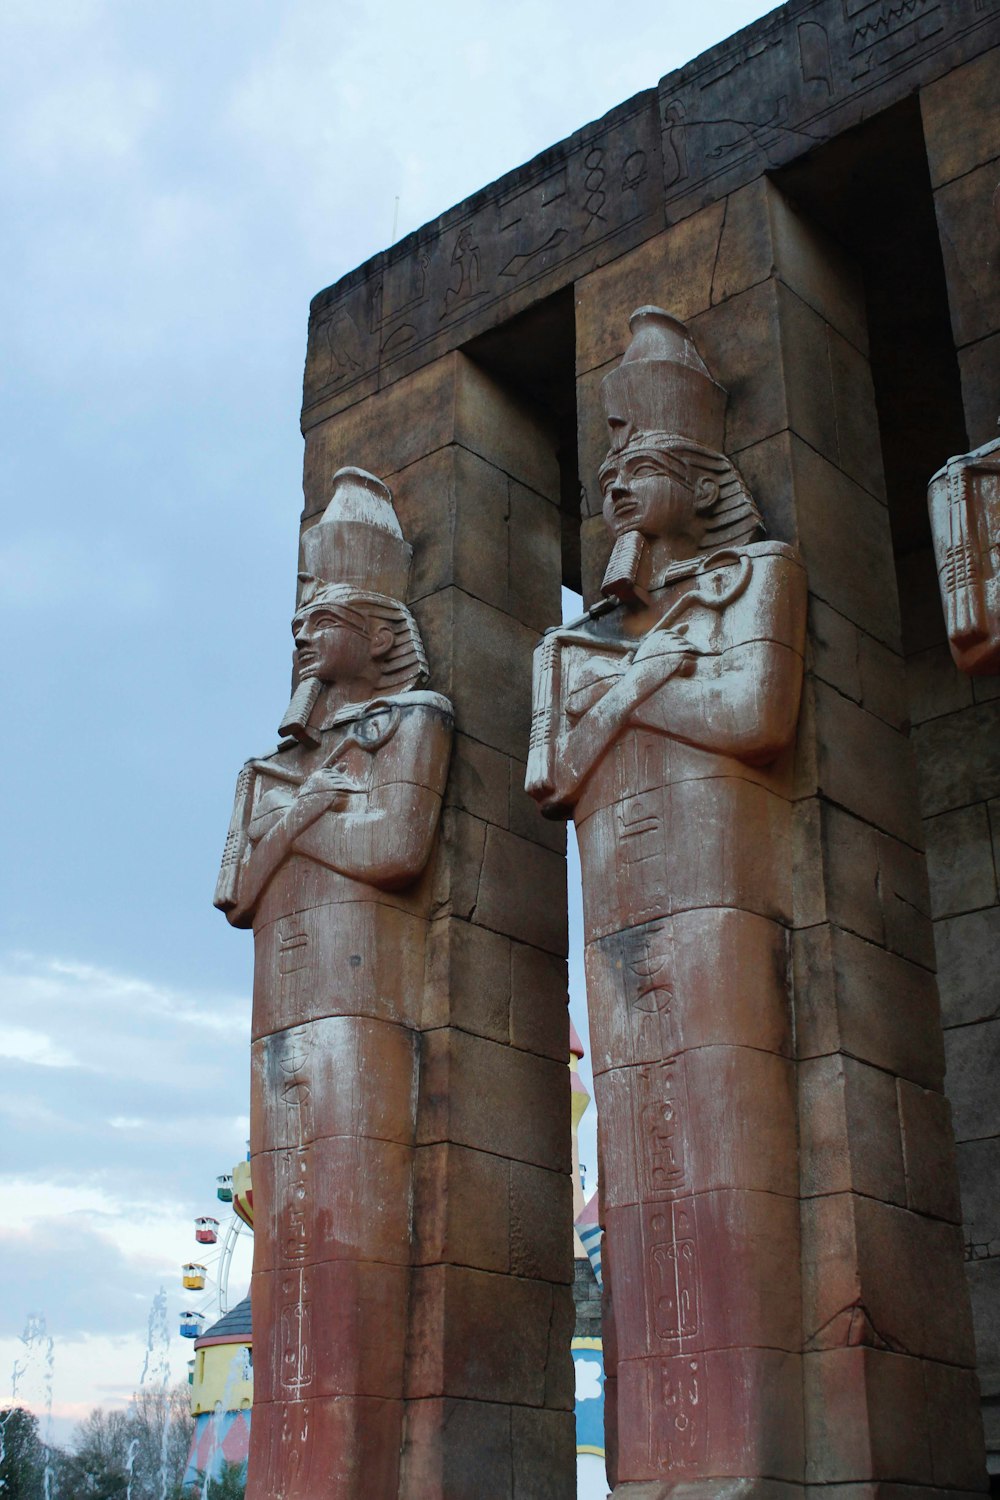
column 718, row 252
column 860, row 1332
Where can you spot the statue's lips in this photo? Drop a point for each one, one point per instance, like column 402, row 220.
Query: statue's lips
column 624, row 510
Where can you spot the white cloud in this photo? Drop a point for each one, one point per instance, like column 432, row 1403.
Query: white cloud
column 588, row 1379
column 23, row 1045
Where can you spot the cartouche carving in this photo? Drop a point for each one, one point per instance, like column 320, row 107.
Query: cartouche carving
column 964, row 502
column 660, row 722
column 328, row 838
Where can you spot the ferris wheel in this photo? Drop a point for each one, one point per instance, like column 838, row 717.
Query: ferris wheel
column 210, row 1274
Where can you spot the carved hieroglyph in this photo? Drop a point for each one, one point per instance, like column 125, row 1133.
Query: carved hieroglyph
column 964, row 501
column 657, row 721
column 328, row 835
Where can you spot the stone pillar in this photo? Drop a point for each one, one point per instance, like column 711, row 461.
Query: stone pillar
column 488, row 1374
column 962, row 134
column 870, row 1302
column 956, row 719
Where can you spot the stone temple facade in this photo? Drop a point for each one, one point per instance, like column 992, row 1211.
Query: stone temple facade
column 778, row 730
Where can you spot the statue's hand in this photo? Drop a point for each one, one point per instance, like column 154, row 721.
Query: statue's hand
column 327, row 789
column 661, row 654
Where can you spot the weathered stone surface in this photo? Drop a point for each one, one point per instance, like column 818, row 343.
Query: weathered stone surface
column 478, row 655
column 971, row 1052
column 858, row 666
column 985, row 688
column 960, row 122
column 352, row 1223
column 875, row 886
column 865, row 766
column 812, row 264
column 849, row 1135
column 672, row 1410
column 979, row 1177
column 544, row 1452
column 968, row 977
column 808, row 501
column 476, row 1454
column 539, row 1015
column 979, row 365
column 487, row 534
column 866, row 1417
column 841, row 984
column 934, row 684
column 481, row 1094
column 866, row 1268
column 478, row 781
column 742, row 344
column 955, row 1427
column 928, row 1152
column 768, row 94
column 957, row 762
column 504, row 1337
column 467, row 979
column 673, row 268
column 449, row 401
column 968, row 230
column 983, row 1278
column 474, row 1208
column 368, row 1300
column 738, row 1127
column 460, row 1208
column 538, row 1205
column 960, row 861
column 513, row 867
column 356, row 1439
column 920, row 602
column 522, row 815
column 686, row 954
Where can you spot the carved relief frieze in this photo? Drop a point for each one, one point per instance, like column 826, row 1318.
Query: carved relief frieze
column 555, row 218
column 796, row 78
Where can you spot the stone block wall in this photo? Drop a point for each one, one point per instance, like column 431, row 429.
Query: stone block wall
column 778, row 312
column 488, row 1367
column 955, row 718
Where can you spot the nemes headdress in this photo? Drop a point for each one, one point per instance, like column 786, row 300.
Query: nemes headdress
column 663, row 397
column 356, row 557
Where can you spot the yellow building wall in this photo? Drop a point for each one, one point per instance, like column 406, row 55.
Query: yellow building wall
column 223, row 1378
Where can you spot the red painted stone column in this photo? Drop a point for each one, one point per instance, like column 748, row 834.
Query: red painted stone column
column 888, row 1386
column 329, row 836
column 487, row 1377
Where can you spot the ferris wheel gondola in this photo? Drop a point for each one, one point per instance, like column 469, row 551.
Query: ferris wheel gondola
column 212, row 1275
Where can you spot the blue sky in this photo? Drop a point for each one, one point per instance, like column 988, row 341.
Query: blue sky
column 178, row 181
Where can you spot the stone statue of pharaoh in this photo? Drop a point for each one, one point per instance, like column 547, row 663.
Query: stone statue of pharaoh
column 329, row 836
column 662, row 724
column 964, row 502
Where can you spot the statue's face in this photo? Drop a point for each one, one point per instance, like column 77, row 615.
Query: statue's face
column 332, row 642
column 648, row 490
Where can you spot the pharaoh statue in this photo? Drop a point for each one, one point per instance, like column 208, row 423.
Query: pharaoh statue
column 964, row 501
column 329, row 836
column 662, row 724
